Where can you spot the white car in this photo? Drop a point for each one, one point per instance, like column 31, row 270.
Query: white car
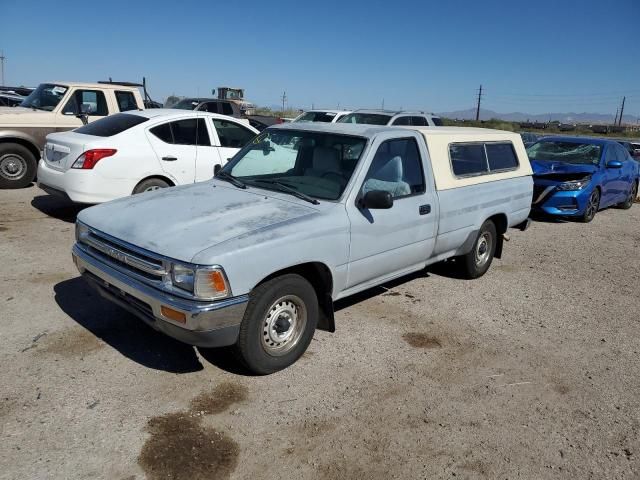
column 138, row 151
column 325, row 116
column 392, row 117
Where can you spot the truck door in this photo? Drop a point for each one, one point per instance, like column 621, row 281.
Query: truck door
column 93, row 103
column 385, row 243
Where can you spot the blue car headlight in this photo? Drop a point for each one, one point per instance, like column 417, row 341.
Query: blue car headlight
column 574, row 184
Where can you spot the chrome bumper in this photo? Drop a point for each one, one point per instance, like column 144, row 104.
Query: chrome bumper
column 208, row 324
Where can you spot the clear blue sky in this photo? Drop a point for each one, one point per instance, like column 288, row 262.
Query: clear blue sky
column 537, row 56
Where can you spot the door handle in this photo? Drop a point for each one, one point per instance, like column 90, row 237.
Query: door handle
column 169, row 158
column 424, row 209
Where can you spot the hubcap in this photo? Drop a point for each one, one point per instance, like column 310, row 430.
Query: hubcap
column 12, row 167
column 283, row 325
column 483, row 249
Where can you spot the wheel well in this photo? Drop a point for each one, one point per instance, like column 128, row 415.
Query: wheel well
column 319, row 276
column 159, row 177
column 501, row 223
column 25, row 143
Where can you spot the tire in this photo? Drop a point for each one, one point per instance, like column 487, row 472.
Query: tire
column 18, row 166
column 286, row 302
column 149, row 185
column 593, row 205
column 626, row 205
column 476, row 263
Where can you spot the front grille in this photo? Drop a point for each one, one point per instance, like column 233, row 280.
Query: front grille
column 118, row 295
column 126, row 257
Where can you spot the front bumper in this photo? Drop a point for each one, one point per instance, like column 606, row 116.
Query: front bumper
column 208, row 324
column 548, row 199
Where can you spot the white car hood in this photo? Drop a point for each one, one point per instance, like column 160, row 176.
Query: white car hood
column 180, row 222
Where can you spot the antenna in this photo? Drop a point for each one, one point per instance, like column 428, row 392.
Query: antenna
column 2, row 59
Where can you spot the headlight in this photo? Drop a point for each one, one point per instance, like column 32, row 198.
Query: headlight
column 206, row 283
column 82, row 231
column 574, row 184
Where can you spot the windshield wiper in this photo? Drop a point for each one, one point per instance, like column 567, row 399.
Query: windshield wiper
column 287, row 189
column 231, row 179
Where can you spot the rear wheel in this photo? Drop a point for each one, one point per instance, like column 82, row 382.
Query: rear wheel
column 593, row 205
column 478, row 260
column 278, row 324
column 628, row 203
column 149, row 185
column 18, row 166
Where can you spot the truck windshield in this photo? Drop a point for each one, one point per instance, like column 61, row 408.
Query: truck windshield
column 316, row 164
column 367, row 118
column 46, row 97
column 567, row 152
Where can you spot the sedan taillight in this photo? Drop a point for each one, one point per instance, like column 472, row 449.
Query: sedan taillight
column 88, row 159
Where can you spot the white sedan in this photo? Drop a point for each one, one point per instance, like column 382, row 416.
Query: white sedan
column 138, row 151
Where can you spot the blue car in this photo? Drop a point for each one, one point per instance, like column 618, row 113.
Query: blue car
column 576, row 177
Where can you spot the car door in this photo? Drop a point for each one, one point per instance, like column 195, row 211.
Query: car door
column 231, row 137
column 175, row 144
column 610, row 178
column 385, row 243
column 627, row 171
column 93, row 103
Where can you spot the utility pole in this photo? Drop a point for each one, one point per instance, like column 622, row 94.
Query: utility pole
column 284, row 99
column 2, row 58
column 478, row 107
column 615, row 119
column 621, row 111
column 383, row 104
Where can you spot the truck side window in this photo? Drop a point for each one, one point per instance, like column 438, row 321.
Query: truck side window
column 397, row 169
column 501, row 156
column 231, row 134
column 126, row 101
column 91, row 102
column 468, row 159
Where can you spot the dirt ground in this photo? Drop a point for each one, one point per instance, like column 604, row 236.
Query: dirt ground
column 529, row 372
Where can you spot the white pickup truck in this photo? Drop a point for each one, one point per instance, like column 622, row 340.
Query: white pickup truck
column 304, row 215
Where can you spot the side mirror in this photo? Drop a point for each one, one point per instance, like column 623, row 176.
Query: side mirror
column 377, row 199
column 84, row 117
column 614, row 164
column 216, row 168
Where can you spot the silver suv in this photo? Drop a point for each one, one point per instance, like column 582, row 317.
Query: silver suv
column 392, row 117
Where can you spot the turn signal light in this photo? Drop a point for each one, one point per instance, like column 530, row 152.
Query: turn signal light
column 88, row 159
column 172, row 314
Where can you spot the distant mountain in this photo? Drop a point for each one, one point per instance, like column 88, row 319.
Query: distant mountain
column 571, row 117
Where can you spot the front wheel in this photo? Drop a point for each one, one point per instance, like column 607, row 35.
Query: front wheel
column 593, row 205
column 18, row 166
column 478, row 260
column 628, row 203
column 278, row 324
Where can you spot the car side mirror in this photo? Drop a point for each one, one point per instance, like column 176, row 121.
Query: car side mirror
column 614, row 164
column 84, row 117
column 216, row 168
column 377, row 199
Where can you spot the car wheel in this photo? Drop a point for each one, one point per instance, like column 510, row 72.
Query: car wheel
column 478, row 260
column 278, row 324
column 18, row 166
column 593, row 205
column 150, row 185
column 626, row 205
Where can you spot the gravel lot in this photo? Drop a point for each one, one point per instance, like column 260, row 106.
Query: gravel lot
column 528, row 372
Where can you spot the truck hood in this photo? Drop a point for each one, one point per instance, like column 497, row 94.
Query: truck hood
column 20, row 115
column 553, row 169
column 181, row 221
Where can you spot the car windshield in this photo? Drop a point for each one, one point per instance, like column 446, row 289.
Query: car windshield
column 567, row 152
column 326, row 117
column 315, row 164
column 46, row 97
column 366, row 118
column 186, row 104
